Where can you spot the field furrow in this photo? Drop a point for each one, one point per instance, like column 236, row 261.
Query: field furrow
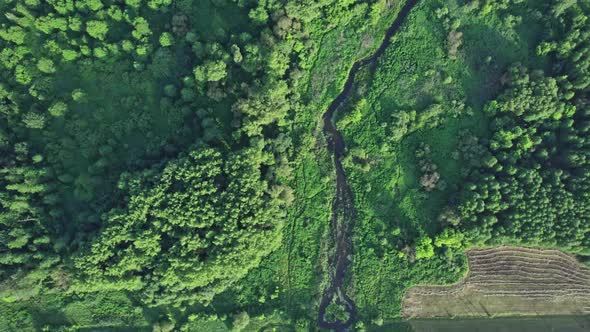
column 508, row 281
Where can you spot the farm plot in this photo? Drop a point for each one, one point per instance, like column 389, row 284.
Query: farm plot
column 507, row 281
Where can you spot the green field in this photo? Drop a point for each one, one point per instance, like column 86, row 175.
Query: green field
column 164, row 164
column 548, row 324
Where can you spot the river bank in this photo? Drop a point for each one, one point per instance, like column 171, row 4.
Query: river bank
column 343, row 212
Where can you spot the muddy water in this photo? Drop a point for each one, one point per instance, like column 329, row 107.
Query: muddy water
column 343, row 212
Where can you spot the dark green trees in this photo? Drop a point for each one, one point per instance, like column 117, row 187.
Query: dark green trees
column 189, row 231
column 27, row 198
column 93, row 91
column 526, row 188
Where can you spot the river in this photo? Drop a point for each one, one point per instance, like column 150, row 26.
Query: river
column 343, row 211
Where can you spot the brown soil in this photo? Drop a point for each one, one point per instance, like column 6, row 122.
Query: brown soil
column 507, row 281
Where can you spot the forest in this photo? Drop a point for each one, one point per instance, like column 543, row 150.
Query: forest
column 164, row 165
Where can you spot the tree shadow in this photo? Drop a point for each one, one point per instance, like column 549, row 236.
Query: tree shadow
column 487, row 54
column 48, row 317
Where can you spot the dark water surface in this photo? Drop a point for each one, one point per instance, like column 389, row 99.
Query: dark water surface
column 343, row 212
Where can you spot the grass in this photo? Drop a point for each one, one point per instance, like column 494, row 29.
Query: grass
column 415, row 74
column 380, row 295
column 216, row 19
column 392, row 208
column 104, row 311
column 288, row 283
column 545, row 324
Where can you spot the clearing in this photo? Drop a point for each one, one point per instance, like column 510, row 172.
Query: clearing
column 507, row 281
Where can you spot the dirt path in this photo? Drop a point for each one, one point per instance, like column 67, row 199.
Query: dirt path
column 343, row 212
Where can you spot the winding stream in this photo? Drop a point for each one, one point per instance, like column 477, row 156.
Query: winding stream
column 343, row 211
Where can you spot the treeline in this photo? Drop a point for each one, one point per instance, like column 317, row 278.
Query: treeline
column 528, row 184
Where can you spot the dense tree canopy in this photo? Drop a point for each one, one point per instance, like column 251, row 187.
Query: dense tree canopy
column 163, row 161
column 189, row 231
column 526, row 186
column 98, row 97
column 529, row 181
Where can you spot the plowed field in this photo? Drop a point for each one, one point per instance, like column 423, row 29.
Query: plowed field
column 507, row 281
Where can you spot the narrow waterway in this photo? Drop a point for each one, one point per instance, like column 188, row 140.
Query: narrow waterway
column 343, row 211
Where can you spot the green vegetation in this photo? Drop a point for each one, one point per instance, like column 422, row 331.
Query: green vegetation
column 544, row 324
column 336, row 312
column 133, row 131
column 469, row 131
column 162, row 163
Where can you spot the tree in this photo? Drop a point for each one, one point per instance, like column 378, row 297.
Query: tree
column 97, row 29
column 25, row 243
column 170, row 90
column 48, row 24
column 23, row 74
column 159, row 4
column 133, row 3
column 34, row 120
column 166, row 39
column 211, row 71
column 454, row 41
column 259, row 14
column 449, row 238
column 70, row 55
column 163, row 326
column 336, row 312
column 58, row 109
column 424, row 248
column 14, row 34
column 46, row 66
column 93, row 5
column 429, row 180
column 240, row 321
column 192, row 229
column 529, row 190
column 236, row 53
column 78, row 95
column 141, row 28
